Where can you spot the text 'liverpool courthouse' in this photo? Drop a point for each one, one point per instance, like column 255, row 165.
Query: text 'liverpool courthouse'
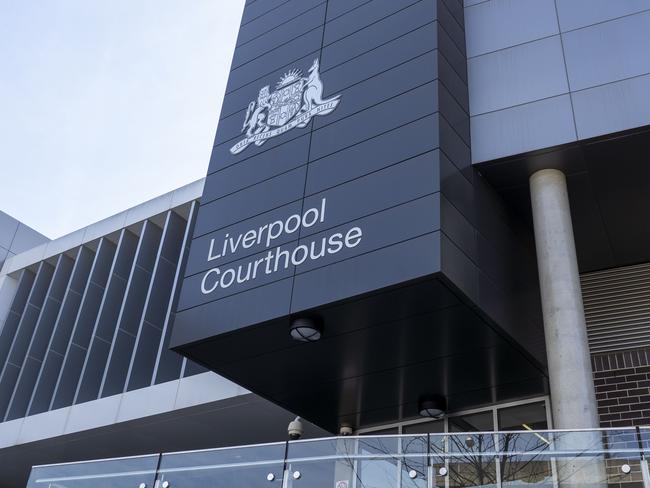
column 424, row 231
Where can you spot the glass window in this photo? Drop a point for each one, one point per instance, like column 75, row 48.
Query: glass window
column 523, row 417
column 476, row 422
column 434, row 427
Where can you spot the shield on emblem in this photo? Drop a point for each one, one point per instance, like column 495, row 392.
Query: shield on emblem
column 285, row 103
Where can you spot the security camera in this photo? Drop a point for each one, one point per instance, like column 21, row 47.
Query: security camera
column 345, row 429
column 295, row 429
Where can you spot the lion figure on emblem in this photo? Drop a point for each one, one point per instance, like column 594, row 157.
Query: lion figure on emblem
column 313, row 94
column 254, row 123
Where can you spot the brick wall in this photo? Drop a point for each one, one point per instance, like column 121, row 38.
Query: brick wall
column 622, row 381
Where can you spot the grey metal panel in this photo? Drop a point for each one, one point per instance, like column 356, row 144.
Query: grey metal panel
column 31, row 365
column 169, row 364
column 574, row 14
column 617, row 308
column 79, row 338
column 8, row 331
column 499, row 24
column 608, row 52
column 524, row 128
column 53, row 360
column 143, row 357
column 516, row 75
column 114, row 377
column 8, row 228
column 24, row 333
column 613, row 107
column 26, row 238
column 106, row 320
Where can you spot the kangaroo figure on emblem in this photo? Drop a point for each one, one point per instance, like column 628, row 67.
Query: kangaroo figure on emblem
column 313, row 96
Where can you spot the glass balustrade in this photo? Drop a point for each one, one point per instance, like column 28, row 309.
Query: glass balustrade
column 607, row 458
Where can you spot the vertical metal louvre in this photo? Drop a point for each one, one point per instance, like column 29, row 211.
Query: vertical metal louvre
column 617, row 308
column 24, row 332
column 55, row 353
column 95, row 320
column 30, row 366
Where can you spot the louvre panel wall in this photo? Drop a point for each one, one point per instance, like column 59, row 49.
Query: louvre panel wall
column 94, row 321
column 617, row 308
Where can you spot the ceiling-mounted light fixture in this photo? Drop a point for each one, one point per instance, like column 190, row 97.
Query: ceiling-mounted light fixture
column 432, row 406
column 306, row 329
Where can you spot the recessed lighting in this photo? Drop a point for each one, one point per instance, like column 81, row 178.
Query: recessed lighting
column 432, row 406
column 305, row 329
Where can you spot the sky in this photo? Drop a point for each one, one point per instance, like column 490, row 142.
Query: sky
column 106, row 104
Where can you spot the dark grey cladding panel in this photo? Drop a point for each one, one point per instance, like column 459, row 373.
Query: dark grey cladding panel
column 200, row 249
column 394, row 264
column 456, row 9
column 254, row 200
column 406, row 221
column 274, row 19
column 254, row 170
column 377, row 191
column 389, row 29
column 364, row 66
column 455, row 148
column 457, row 189
column 363, row 16
column 284, row 55
column 276, row 37
column 454, row 113
column 377, row 89
column 375, row 120
column 459, row 268
column 258, row 9
column 233, row 313
column 452, row 54
column 223, row 158
column 460, row 230
column 374, row 154
column 453, row 83
column 451, row 26
column 336, row 8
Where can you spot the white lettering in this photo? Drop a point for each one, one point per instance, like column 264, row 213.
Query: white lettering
column 249, row 239
column 211, row 256
column 209, row 290
column 335, row 240
column 276, row 259
column 354, row 234
column 231, row 273
column 293, row 229
column 270, row 236
column 305, row 252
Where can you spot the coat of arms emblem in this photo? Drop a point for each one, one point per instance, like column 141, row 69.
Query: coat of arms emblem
column 294, row 102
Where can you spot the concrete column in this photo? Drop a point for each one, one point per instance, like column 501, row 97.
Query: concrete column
column 569, row 365
column 573, row 399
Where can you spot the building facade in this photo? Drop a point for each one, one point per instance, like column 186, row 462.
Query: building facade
column 413, row 207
